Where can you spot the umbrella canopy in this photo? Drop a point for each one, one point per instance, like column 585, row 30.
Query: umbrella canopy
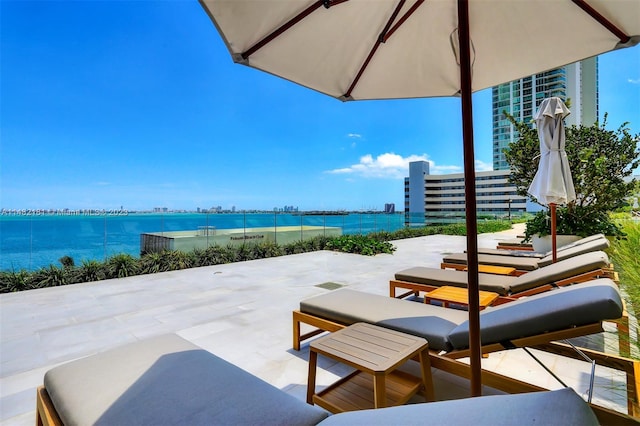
column 387, row 49
column 552, row 183
column 384, row 49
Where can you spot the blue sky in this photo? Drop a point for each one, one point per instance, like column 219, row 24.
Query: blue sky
column 138, row 104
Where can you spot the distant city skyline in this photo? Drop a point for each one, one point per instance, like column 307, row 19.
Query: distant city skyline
column 138, row 104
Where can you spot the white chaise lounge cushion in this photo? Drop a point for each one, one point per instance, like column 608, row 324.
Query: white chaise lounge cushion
column 525, row 263
column 562, row 407
column 504, row 284
column 578, row 305
column 168, row 381
column 447, row 329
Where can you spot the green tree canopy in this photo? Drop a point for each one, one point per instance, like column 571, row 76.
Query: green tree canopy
column 601, row 161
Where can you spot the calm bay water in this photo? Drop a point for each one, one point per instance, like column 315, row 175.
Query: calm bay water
column 31, row 241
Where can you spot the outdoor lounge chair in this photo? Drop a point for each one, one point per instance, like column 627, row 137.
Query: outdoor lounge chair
column 516, row 244
column 167, row 380
column 532, row 321
column 577, row 269
column 599, row 238
column 521, row 264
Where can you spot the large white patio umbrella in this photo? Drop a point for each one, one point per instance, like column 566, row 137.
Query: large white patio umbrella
column 384, row 49
column 552, row 184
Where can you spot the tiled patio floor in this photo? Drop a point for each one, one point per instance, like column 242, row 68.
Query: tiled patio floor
column 241, row 312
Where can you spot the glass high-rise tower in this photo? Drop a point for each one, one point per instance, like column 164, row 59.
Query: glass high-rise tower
column 576, row 82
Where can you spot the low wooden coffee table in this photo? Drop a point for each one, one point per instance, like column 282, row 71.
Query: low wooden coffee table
column 459, row 296
column 376, row 353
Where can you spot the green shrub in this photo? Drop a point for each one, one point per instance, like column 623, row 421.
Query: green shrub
column 122, row 265
column 624, row 255
column 578, row 220
column 360, row 244
column 213, row 255
column 267, row 249
column 67, row 262
column 52, row 276
column 175, row 260
column 90, row 270
column 296, row 247
column 150, row 263
column 11, row 281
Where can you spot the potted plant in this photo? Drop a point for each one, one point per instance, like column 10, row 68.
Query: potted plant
column 572, row 223
column 538, row 231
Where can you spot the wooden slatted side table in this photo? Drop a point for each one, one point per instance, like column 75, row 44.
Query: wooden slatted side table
column 376, row 353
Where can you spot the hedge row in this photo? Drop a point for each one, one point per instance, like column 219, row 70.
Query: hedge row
column 124, row 265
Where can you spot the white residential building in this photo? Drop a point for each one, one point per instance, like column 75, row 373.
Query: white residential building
column 433, row 199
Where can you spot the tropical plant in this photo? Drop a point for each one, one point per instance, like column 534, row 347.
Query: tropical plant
column 52, row 276
column 122, row 265
column 214, row 255
column 150, row 263
column 266, row 249
column 296, row 247
column 624, row 255
column 173, row 260
column 601, row 160
column 67, row 262
column 580, row 221
column 13, row 280
column 244, row 252
column 90, row 270
column 360, row 244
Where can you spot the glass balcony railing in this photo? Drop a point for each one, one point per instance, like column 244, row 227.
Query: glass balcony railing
column 30, row 240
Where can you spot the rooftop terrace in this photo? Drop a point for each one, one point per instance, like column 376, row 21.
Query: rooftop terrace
column 242, row 313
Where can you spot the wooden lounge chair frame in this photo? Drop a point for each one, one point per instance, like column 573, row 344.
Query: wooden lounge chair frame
column 449, row 361
column 415, row 288
column 513, row 247
column 622, row 324
column 607, row 272
column 46, row 414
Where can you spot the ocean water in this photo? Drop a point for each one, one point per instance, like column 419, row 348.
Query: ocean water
column 31, row 240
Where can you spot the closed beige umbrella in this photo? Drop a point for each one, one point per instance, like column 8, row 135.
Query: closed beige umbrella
column 552, row 183
column 384, row 49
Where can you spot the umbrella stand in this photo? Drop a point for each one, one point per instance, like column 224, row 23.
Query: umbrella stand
column 554, row 243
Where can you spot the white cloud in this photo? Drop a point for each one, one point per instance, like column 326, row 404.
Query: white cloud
column 394, row 166
column 634, row 80
column 435, row 169
column 387, row 165
column 481, row 166
column 354, row 137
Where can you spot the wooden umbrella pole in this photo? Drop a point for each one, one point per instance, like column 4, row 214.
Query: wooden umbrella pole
column 554, row 245
column 470, row 198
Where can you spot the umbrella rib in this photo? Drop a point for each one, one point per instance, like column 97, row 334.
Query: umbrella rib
column 290, row 23
column 401, row 21
column 381, row 39
column 582, row 4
